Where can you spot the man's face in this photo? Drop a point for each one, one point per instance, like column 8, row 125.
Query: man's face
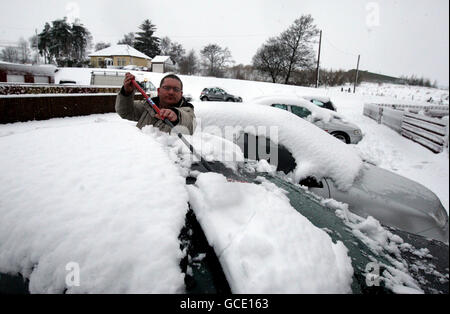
column 170, row 92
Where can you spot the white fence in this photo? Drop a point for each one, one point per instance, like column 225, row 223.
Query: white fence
column 417, row 123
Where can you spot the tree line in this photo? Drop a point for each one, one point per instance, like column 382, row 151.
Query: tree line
column 288, row 58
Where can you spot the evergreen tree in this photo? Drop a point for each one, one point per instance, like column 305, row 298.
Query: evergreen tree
column 82, row 40
column 63, row 43
column 145, row 41
column 44, row 43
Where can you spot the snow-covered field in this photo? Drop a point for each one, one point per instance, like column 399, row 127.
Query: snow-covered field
column 114, row 240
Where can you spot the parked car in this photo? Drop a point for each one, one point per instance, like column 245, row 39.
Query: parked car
column 392, row 199
column 207, row 276
column 218, row 94
column 330, row 122
column 321, row 101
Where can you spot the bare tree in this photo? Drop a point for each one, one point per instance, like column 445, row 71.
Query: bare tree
column 10, row 54
column 189, row 64
column 297, row 39
column 215, row 59
column 101, row 45
column 128, row 39
column 172, row 49
column 271, row 58
column 24, row 51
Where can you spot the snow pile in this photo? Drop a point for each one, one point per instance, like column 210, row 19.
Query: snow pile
column 92, row 192
column 263, row 244
column 309, row 145
column 209, row 146
column 381, row 242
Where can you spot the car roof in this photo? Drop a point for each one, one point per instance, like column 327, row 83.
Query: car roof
column 323, row 99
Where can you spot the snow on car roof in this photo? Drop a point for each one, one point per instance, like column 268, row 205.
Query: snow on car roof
column 81, row 192
column 316, row 152
column 318, row 97
column 317, row 112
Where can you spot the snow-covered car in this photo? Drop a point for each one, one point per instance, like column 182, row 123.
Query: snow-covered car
column 330, row 168
column 329, row 121
column 321, row 101
column 218, row 94
column 108, row 208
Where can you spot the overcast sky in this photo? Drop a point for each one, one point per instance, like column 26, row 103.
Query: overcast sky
column 402, row 37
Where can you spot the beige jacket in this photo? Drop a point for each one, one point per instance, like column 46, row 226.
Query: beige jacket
column 143, row 113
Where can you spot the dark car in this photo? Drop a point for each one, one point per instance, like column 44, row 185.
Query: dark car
column 218, row 94
column 321, row 101
column 376, row 270
column 373, row 269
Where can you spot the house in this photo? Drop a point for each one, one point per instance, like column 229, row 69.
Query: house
column 26, row 73
column 163, row 64
column 119, row 56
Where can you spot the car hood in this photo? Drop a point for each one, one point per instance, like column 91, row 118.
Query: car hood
column 385, row 184
column 336, row 124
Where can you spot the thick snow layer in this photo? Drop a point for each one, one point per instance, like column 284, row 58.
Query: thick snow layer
column 97, row 197
column 95, row 192
column 316, row 152
column 263, row 244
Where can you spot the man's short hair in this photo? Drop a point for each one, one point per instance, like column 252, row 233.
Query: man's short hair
column 171, row 76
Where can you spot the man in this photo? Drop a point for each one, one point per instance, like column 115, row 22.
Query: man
column 170, row 101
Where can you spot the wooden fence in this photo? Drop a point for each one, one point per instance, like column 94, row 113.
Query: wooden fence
column 21, row 108
column 417, row 123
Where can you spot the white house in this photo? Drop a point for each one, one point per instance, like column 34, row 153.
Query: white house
column 162, row 64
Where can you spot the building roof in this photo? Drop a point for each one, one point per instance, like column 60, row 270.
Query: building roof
column 161, row 59
column 119, row 50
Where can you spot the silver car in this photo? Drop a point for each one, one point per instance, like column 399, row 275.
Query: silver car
column 327, row 120
column 392, row 199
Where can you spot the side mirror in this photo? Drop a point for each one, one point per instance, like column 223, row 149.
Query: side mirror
column 311, row 182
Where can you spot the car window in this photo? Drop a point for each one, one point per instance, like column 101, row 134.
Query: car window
column 317, row 102
column 300, row 111
column 284, row 107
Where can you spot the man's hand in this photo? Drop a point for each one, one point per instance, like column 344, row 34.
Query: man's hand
column 167, row 113
column 127, row 83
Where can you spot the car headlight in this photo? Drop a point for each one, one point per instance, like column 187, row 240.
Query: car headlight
column 357, row 132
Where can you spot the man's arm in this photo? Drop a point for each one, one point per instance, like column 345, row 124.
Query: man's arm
column 125, row 106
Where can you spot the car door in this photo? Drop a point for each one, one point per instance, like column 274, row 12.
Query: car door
column 220, row 94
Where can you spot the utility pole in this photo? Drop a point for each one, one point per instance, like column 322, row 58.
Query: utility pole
column 318, row 61
column 356, row 76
